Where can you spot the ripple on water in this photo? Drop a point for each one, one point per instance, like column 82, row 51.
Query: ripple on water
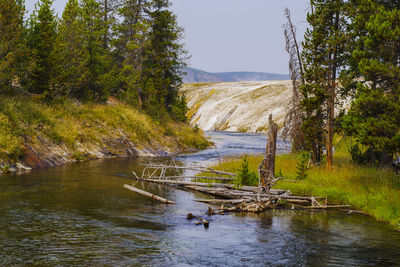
column 79, row 214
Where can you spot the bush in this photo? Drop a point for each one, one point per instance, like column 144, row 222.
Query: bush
column 245, row 176
column 301, row 166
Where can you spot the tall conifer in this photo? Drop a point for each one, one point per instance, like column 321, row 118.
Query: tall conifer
column 165, row 58
column 70, row 55
column 41, row 39
column 374, row 116
column 132, row 38
column 11, row 42
column 94, row 30
column 323, row 50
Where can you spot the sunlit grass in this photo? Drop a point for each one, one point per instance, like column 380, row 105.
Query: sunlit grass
column 65, row 122
column 370, row 189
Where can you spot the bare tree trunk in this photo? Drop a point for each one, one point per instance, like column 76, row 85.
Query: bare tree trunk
column 329, row 139
column 331, row 103
column 271, row 147
column 267, row 166
column 312, row 6
column 293, row 117
column 105, row 41
column 292, row 29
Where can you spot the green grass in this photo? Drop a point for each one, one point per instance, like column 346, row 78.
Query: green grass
column 24, row 119
column 370, row 189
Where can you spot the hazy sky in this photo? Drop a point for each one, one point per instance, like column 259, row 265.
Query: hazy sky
column 233, row 35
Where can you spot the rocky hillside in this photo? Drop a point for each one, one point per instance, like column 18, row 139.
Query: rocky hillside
column 196, row 76
column 237, row 106
column 36, row 133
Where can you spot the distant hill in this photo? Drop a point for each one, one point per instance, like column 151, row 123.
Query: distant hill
column 237, row 106
column 199, row 76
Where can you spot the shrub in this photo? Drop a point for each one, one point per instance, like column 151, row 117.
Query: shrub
column 301, row 166
column 245, row 176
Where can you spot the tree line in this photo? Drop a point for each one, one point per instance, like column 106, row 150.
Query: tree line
column 350, row 54
column 129, row 49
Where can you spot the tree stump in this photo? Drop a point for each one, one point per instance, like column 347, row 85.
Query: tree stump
column 266, row 169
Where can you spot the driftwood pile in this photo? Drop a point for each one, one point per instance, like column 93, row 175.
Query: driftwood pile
column 246, row 199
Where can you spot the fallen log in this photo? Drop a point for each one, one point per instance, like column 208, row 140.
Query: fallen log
column 234, row 194
column 211, row 211
column 221, row 201
column 203, row 221
column 354, row 211
column 247, row 198
column 253, row 189
column 192, row 168
column 137, row 190
column 299, row 201
column 218, row 191
column 326, row 207
column 189, row 177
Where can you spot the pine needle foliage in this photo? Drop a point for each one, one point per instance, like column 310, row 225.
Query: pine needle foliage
column 245, row 175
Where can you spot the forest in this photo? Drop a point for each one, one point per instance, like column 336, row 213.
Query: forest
column 101, row 164
column 127, row 49
column 343, row 120
column 131, row 50
column 346, row 80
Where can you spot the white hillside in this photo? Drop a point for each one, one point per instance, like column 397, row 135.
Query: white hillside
column 237, row 106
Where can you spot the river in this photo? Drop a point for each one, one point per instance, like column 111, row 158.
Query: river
column 79, row 214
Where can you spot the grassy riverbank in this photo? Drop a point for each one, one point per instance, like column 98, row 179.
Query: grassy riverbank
column 370, row 189
column 76, row 126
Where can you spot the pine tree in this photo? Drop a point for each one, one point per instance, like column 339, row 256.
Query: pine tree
column 109, row 9
column 98, row 62
column 41, row 39
column 132, row 37
column 374, row 116
column 70, row 54
column 11, row 42
column 150, row 57
column 165, row 57
column 323, row 50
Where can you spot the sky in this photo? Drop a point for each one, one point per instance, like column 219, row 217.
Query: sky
column 233, row 35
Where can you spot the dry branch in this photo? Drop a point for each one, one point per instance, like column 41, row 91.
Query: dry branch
column 137, row 190
column 192, row 168
column 221, row 201
column 189, row 177
column 293, row 117
column 326, row 207
column 229, row 186
column 201, row 220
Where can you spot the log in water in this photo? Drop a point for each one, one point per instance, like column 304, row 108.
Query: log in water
column 147, row 194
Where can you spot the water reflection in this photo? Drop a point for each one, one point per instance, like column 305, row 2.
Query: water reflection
column 79, row 214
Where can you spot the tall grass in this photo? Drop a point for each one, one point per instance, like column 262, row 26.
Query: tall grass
column 23, row 119
column 371, row 189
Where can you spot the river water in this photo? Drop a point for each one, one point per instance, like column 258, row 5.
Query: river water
column 79, row 214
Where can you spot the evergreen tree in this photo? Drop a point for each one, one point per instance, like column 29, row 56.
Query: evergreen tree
column 70, row 54
column 150, row 57
column 164, row 59
column 94, row 28
column 323, row 51
column 41, row 39
column 109, row 9
column 374, row 116
column 11, row 42
column 129, row 46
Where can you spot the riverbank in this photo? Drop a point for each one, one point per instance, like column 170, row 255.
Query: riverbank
column 374, row 191
column 35, row 133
